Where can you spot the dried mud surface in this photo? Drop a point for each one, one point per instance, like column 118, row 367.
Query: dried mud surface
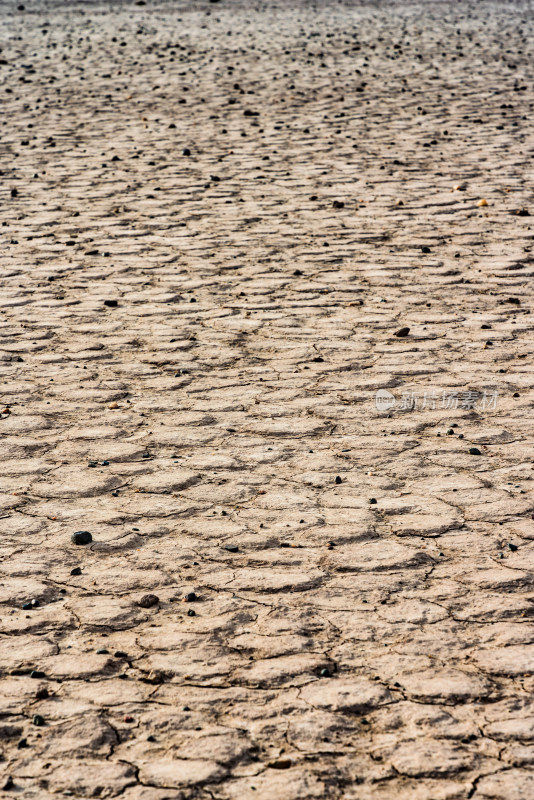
column 214, row 218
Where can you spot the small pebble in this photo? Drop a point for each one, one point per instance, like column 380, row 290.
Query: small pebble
column 111, row 303
column 402, row 332
column 76, row 571
column 190, row 597
column 38, row 720
column 482, row 203
column 474, row 451
column 232, row 548
column 148, row 601
column 338, row 479
column 81, row 537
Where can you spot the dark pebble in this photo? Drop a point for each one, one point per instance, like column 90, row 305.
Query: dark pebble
column 338, row 204
column 474, row 451
column 111, row 303
column 426, row 250
column 402, row 332
column 120, row 654
column 191, row 613
column 14, row 192
column 186, row 151
column 232, row 548
column 76, row 571
column 37, row 673
column 338, row 479
column 38, row 720
column 190, row 597
column 42, row 694
column 512, row 547
column 372, row 501
column 148, row 601
column 81, row 537
column 102, row 652
column 325, row 673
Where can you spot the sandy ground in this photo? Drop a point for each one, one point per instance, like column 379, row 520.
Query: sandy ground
column 214, row 219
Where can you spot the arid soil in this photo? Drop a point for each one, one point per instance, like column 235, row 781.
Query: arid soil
column 216, row 219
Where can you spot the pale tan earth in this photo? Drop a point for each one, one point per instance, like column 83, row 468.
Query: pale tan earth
column 347, row 649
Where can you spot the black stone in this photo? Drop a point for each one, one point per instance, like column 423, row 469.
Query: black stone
column 190, row 597
column 474, row 451
column 38, row 720
column 81, row 537
column 148, row 601
column 76, row 571
column 402, row 332
column 338, row 479
column 232, row 548
column 111, row 303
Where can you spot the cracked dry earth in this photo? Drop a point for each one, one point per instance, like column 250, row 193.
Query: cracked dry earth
column 214, row 219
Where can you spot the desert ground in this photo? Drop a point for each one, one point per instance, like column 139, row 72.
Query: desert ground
column 228, row 571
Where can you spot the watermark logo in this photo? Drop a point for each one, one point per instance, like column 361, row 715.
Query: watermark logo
column 384, row 400
column 429, row 400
